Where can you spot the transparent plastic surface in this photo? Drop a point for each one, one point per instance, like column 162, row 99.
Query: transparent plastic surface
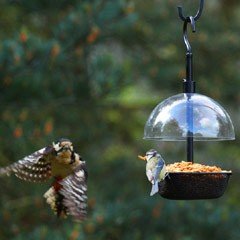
column 189, row 115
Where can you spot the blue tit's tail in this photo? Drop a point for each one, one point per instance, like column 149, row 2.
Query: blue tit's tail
column 154, row 188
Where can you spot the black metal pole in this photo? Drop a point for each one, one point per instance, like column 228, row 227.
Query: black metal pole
column 189, row 87
column 188, row 83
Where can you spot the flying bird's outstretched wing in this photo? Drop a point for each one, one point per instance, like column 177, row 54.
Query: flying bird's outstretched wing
column 74, row 192
column 35, row 167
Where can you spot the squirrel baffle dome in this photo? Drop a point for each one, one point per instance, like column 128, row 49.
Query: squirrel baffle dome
column 190, row 117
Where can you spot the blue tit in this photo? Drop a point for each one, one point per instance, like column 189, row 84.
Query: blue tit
column 155, row 169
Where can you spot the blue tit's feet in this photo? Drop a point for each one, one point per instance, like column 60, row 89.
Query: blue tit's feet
column 167, row 175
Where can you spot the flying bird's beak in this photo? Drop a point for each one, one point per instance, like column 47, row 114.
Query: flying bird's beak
column 142, row 158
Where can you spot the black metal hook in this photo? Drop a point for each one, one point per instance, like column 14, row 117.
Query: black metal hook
column 196, row 17
column 192, row 20
column 185, row 36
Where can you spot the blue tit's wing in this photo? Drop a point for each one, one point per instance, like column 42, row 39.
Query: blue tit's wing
column 158, row 169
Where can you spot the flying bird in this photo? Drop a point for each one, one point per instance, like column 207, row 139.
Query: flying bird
column 155, row 169
column 68, row 193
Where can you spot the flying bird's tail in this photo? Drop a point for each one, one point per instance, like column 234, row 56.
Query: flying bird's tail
column 54, row 199
column 50, row 196
column 155, row 188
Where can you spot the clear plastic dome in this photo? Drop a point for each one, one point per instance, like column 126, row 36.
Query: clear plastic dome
column 189, row 114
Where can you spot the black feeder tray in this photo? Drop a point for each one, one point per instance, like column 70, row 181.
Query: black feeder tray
column 190, row 117
column 194, row 185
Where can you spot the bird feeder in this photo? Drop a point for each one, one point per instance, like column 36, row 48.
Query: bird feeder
column 190, row 117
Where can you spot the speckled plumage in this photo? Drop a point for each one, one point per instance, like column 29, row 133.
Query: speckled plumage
column 67, row 196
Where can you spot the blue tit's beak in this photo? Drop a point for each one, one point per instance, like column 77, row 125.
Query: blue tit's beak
column 144, row 158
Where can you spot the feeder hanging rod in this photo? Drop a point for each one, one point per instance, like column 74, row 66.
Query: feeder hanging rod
column 188, row 83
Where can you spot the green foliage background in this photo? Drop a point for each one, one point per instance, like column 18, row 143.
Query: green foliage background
column 92, row 71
